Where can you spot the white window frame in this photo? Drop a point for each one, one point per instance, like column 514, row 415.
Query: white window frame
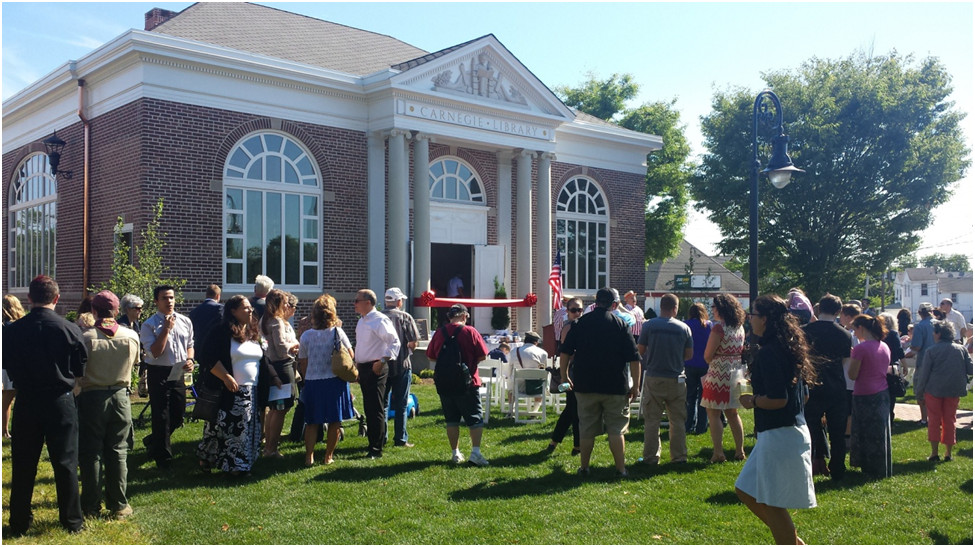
column 454, row 177
column 601, row 217
column 308, row 186
column 34, row 188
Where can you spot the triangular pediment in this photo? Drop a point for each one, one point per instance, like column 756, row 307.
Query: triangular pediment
column 481, row 72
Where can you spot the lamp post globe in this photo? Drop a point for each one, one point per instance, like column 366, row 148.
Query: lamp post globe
column 779, row 170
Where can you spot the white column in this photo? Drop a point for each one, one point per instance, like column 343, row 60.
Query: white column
column 399, row 214
column 544, row 234
column 504, row 215
column 376, row 210
column 524, row 229
column 421, row 223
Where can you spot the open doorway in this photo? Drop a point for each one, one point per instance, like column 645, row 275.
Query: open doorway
column 446, row 262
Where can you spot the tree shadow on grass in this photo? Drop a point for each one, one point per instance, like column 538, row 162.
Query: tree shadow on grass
column 966, row 486
column 939, row 538
column 556, row 482
column 371, row 473
column 728, row 497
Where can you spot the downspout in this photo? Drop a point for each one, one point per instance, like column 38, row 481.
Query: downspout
column 86, row 182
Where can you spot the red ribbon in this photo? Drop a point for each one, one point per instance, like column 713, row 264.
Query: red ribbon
column 430, row 300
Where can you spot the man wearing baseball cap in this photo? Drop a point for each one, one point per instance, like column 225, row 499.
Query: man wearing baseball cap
column 104, row 415
column 400, row 372
column 467, row 405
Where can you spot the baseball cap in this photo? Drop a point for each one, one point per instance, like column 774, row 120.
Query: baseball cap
column 532, row 336
column 394, row 294
column 616, row 295
column 105, row 300
column 925, row 307
column 456, row 310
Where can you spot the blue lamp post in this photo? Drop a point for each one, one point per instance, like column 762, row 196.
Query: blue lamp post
column 779, row 171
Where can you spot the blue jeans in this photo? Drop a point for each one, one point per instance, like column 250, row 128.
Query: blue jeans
column 697, row 417
column 398, row 395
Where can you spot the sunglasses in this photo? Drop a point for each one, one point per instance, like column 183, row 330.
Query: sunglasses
column 575, row 310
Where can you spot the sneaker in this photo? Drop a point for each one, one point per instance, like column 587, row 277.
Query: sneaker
column 622, row 474
column 479, row 460
column 583, row 471
column 457, row 458
column 123, row 513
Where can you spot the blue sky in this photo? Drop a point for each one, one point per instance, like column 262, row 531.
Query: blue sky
column 684, row 50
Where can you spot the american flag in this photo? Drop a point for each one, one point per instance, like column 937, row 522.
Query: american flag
column 555, row 281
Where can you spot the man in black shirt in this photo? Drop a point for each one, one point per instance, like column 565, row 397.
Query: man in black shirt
column 830, row 346
column 43, row 354
column 603, row 346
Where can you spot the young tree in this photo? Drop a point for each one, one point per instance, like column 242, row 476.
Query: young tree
column 140, row 278
column 668, row 171
column 881, row 146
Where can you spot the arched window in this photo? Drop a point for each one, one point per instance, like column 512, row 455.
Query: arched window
column 32, row 214
column 453, row 180
column 272, row 213
column 582, row 235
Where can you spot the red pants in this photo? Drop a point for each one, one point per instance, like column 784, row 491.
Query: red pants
column 941, row 418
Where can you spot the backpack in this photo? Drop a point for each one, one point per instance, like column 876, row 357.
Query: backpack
column 451, row 375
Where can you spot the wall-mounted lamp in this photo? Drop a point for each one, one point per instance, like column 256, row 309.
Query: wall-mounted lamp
column 54, row 145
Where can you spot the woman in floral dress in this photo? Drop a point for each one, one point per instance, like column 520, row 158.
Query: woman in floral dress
column 723, row 355
column 232, row 356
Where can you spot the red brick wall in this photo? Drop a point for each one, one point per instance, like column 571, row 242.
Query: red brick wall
column 152, row 148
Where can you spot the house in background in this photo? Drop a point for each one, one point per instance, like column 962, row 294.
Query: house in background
column 694, row 275
column 327, row 157
column 916, row 285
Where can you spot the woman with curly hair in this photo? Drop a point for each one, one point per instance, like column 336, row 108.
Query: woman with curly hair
column 723, row 356
column 326, row 397
column 778, row 475
column 231, row 358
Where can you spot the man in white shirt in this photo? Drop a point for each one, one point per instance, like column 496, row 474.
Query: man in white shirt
column 167, row 338
column 376, row 344
column 529, row 356
column 954, row 317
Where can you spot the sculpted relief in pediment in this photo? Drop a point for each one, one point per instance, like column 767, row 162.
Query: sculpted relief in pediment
column 480, row 79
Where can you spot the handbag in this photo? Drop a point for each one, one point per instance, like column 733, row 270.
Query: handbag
column 896, row 386
column 207, row 401
column 342, row 364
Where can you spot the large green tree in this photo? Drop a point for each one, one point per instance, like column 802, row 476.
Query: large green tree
column 668, row 169
column 947, row 263
column 881, row 146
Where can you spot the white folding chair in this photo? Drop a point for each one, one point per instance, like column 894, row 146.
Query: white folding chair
column 524, row 403
column 556, row 399
column 486, row 372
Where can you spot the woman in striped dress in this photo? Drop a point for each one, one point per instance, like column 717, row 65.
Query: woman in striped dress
column 723, row 356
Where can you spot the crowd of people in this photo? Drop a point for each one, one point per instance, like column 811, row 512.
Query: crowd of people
column 816, row 377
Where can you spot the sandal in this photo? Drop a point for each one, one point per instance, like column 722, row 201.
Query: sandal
column 716, row 459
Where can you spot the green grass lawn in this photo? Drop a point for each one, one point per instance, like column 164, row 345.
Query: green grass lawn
column 416, row 496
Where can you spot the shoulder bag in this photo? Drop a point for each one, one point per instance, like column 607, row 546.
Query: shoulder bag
column 342, row 364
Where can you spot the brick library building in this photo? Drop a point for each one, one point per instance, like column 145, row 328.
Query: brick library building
column 331, row 160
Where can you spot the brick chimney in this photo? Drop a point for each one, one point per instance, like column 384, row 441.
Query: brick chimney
column 158, row 16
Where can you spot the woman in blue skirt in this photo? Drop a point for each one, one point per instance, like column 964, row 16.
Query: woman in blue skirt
column 326, row 397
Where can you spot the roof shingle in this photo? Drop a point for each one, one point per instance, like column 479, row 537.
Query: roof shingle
column 275, row 33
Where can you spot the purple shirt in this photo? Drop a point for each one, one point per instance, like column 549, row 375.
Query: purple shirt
column 874, row 357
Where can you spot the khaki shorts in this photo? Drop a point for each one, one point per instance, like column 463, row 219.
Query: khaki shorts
column 597, row 410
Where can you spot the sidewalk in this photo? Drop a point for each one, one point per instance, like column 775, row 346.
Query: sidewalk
column 912, row 413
